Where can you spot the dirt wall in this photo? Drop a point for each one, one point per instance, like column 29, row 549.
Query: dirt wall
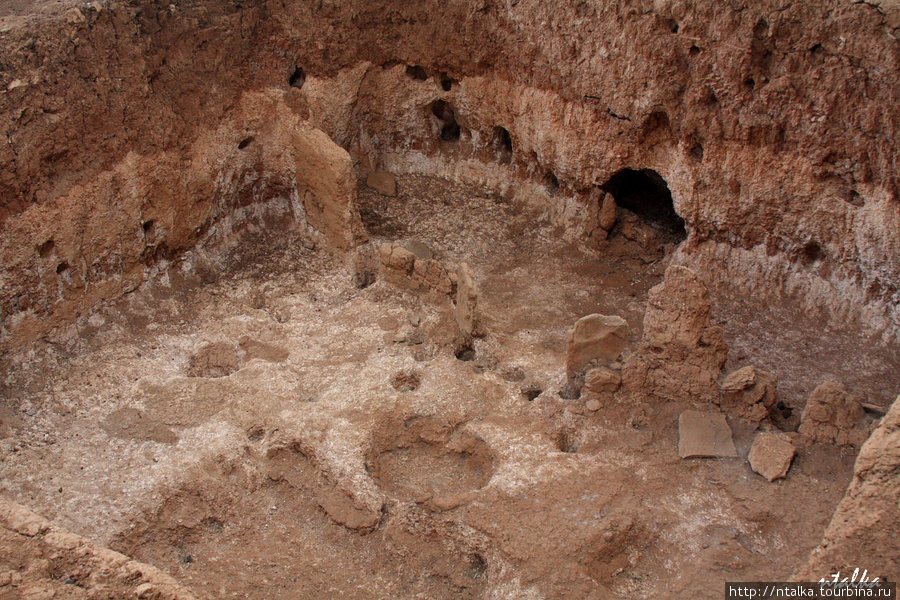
column 774, row 125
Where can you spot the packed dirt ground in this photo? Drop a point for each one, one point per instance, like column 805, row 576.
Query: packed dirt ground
column 287, row 423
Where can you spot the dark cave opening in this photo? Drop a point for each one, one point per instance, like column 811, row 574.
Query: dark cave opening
column 450, row 128
column 502, row 146
column 646, row 194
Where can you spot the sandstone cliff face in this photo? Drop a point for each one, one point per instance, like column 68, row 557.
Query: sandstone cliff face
column 774, row 125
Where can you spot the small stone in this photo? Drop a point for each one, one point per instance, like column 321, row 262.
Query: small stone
column 382, row 182
column 147, row 591
column 451, row 501
column 513, row 374
column 705, row 435
column 401, row 336
column 771, row 456
column 592, row 405
column 595, row 337
column 750, row 385
column 740, row 380
column 757, row 413
column 602, row 379
column 421, row 251
column 608, row 211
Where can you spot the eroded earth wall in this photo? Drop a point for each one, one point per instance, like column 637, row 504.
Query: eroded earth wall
column 129, row 138
column 862, row 534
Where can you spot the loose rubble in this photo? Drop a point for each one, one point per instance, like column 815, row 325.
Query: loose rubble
column 704, row 435
column 771, row 455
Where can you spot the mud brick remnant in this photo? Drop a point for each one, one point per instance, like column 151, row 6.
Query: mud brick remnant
column 834, row 416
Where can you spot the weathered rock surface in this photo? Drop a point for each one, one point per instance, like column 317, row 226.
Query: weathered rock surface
column 262, row 162
column 48, row 562
column 595, row 338
column 704, row 435
column 681, row 353
column 382, row 182
column 466, row 300
column 327, row 185
column 771, row 455
column 737, row 104
column 833, row 416
column 863, row 531
column 219, row 359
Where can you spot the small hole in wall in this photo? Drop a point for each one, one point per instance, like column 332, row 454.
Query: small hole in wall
column 447, row 82
column 298, row 78
column 531, row 392
column 672, row 25
column 416, row 72
column 503, row 146
column 697, row 151
column 566, row 442
column 749, row 83
column 450, row 130
column 147, row 226
column 695, row 50
column 62, row 268
column 245, row 142
column 657, row 120
column 854, row 198
column 443, row 111
column 465, row 353
column 817, row 50
column 551, row 182
column 478, row 567
column 406, row 381
column 363, row 278
column 761, row 30
column 812, row 254
column 784, row 409
column 46, row 249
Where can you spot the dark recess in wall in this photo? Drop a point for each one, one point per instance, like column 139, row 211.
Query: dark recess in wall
column 298, row 78
column 646, row 194
column 502, row 145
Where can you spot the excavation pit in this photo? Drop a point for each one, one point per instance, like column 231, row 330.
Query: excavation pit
column 428, row 460
column 225, row 353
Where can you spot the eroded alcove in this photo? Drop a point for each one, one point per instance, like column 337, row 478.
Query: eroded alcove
column 645, row 193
